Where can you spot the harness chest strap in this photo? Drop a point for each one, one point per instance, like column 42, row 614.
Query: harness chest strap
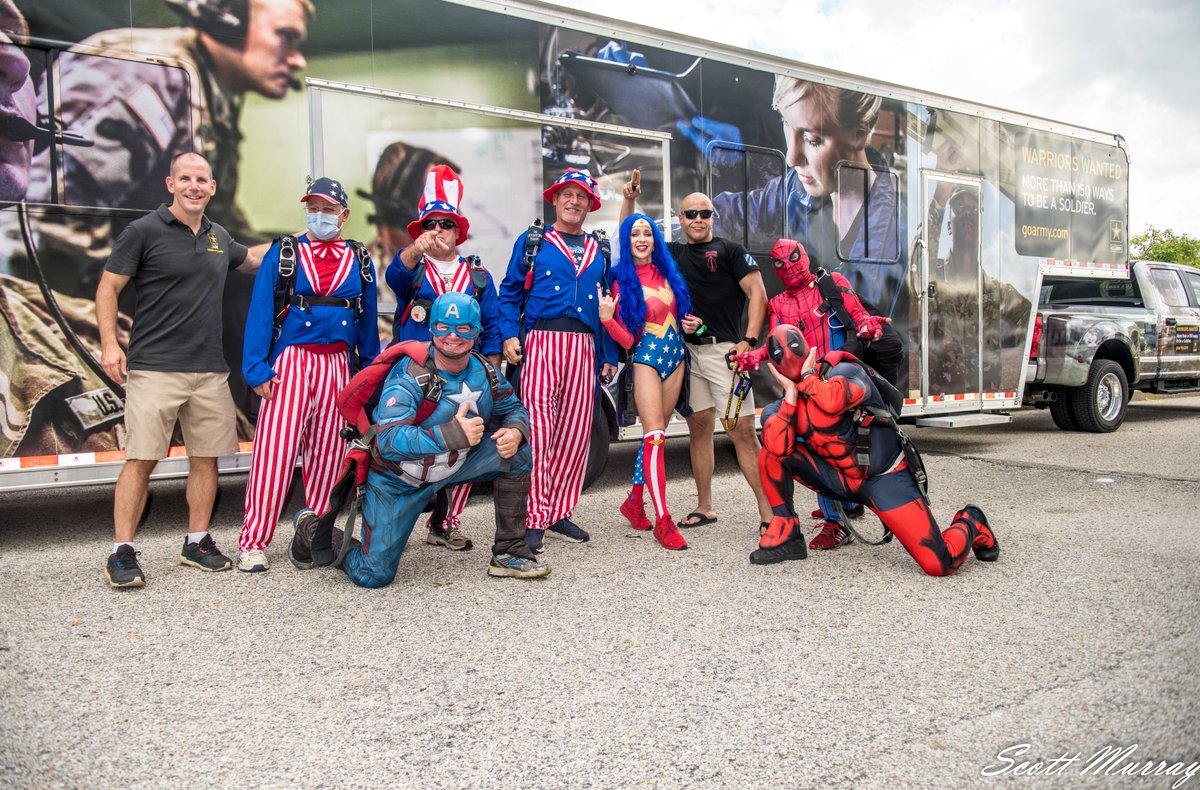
column 285, row 283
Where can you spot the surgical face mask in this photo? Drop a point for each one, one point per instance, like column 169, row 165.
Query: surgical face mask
column 323, row 226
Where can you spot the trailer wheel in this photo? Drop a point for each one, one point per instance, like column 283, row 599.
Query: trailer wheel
column 598, row 449
column 1099, row 405
column 1063, row 412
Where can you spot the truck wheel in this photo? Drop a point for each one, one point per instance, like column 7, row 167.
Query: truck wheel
column 1063, row 412
column 1099, row 405
column 598, row 451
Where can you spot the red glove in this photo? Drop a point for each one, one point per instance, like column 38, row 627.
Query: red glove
column 871, row 327
column 751, row 360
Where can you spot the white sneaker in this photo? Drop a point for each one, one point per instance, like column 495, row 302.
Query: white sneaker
column 252, row 561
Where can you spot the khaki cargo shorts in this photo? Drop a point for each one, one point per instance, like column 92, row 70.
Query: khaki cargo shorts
column 201, row 402
column 711, row 379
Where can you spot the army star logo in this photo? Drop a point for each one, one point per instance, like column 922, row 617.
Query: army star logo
column 213, row 245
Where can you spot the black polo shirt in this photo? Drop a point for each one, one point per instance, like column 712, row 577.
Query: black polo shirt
column 180, row 279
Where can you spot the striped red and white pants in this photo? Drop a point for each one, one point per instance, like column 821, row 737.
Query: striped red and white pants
column 558, row 388
column 458, row 500
column 301, row 419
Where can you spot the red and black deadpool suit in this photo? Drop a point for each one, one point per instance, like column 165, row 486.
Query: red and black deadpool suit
column 814, row 441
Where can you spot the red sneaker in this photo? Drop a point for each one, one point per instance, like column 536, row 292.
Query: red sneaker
column 666, row 533
column 832, row 535
column 636, row 513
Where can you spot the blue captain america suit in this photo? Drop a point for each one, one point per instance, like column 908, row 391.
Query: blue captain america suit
column 412, row 461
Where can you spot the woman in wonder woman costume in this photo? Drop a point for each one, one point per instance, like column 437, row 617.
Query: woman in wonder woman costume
column 648, row 300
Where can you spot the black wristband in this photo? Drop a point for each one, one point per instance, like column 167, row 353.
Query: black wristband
column 753, row 341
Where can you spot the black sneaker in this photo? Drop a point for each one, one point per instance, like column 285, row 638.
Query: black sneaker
column 569, row 531
column 533, row 539
column 123, row 569
column 204, row 555
column 793, row 549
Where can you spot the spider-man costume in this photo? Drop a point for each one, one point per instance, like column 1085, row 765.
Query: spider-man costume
column 814, row 440
column 803, row 306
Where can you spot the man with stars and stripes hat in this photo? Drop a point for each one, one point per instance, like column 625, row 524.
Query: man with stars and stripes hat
column 423, row 271
column 550, row 323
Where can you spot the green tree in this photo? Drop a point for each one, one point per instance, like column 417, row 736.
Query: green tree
column 1166, row 245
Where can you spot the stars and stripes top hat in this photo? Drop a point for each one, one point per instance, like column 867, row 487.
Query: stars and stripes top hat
column 443, row 194
column 327, row 189
column 580, row 178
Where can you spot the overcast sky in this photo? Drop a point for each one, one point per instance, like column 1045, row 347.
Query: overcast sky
column 1132, row 69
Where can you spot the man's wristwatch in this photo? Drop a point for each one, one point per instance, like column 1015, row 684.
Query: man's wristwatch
column 753, row 341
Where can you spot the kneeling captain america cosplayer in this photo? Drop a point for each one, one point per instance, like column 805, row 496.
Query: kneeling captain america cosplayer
column 475, row 430
column 816, row 435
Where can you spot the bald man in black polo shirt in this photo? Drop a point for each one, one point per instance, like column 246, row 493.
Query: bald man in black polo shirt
column 178, row 259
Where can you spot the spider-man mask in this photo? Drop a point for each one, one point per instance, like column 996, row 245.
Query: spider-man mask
column 791, row 264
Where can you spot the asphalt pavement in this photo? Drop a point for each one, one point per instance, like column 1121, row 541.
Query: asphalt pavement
column 630, row 665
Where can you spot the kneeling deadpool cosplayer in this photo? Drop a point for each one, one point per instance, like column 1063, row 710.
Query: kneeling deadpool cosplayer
column 442, row 416
column 835, row 431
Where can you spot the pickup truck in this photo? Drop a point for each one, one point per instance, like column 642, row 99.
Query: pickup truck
column 1096, row 341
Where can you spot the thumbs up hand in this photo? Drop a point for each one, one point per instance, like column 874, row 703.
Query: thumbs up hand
column 471, row 426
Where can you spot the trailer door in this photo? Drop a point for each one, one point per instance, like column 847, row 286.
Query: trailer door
column 951, row 296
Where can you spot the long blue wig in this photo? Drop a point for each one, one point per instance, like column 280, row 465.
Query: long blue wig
column 631, row 310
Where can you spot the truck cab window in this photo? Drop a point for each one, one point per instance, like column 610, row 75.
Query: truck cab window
column 1170, row 286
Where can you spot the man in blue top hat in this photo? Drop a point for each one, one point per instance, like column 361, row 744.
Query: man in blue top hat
column 423, row 271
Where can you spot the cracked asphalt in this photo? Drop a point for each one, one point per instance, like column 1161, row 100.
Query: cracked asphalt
column 631, row 665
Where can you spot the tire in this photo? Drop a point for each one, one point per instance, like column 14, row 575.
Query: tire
column 1099, row 405
column 598, row 447
column 1063, row 412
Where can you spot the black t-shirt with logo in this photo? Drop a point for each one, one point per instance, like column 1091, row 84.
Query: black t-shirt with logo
column 180, row 280
column 713, row 271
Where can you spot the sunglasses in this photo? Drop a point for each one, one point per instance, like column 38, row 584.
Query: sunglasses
column 703, row 213
column 444, row 224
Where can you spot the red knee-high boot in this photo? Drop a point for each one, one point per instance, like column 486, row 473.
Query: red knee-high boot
column 655, row 470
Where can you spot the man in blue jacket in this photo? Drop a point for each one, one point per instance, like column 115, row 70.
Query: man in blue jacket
column 549, row 318
column 299, row 363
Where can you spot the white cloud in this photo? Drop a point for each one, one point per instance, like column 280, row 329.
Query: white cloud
column 1128, row 69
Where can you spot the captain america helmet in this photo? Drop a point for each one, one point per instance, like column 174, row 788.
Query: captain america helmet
column 455, row 312
column 787, row 349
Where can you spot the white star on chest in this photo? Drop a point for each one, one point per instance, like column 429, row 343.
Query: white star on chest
column 469, row 396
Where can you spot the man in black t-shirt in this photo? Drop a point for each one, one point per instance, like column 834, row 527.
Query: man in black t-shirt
column 178, row 260
column 722, row 278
